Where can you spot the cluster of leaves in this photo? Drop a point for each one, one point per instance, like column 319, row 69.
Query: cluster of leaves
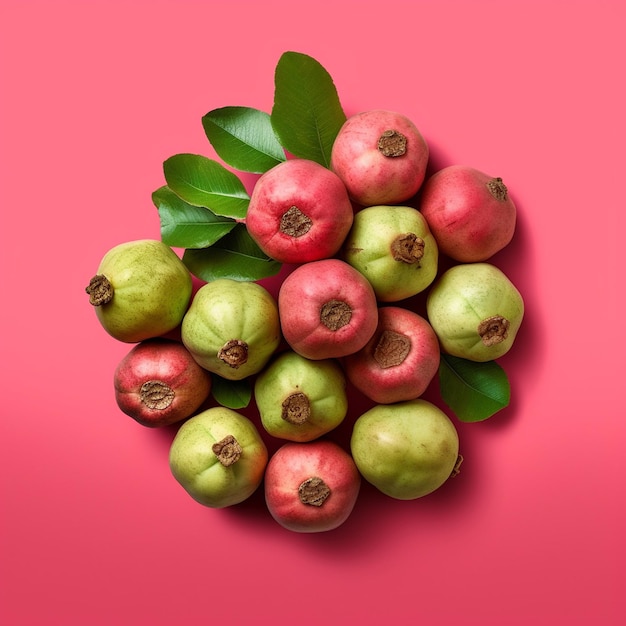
column 203, row 205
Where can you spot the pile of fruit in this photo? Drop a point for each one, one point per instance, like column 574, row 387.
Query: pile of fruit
column 347, row 204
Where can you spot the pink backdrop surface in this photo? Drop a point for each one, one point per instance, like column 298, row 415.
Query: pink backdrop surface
column 94, row 96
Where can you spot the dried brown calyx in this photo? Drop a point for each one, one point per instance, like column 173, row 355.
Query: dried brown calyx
column 408, row 248
column 228, row 451
column 493, row 330
column 497, row 189
column 100, row 290
column 392, row 143
column 295, row 223
column 392, row 348
column 234, row 353
column 313, row 491
column 156, row 395
column 296, row 408
column 456, row 470
column 335, row 314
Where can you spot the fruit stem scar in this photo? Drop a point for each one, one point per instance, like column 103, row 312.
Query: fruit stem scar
column 295, row 223
column 335, row 314
column 313, row 491
column 156, row 395
column 408, row 248
column 392, row 143
column 493, row 330
column 497, row 189
column 228, row 451
column 234, row 353
column 100, row 290
column 296, row 408
column 392, row 348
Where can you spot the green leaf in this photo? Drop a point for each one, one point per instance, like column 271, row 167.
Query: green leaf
column 474, row 391
column 307, row 113
column 234, row 256
column 233, row 394
column 187, row 226
column 244, row 138
column 203, row 182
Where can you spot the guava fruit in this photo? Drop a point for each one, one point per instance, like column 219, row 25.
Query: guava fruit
column 406, row 450
column 392, row 246
column 218, row 457
column 232, row 328
column 311, row 487
column 381, row 157
column 300, row 399
column 158, row 383
column 299, row 211
column 476, row 311
column 141, row 290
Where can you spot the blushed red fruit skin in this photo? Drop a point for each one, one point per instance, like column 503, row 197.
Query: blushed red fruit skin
column 409, row 379
column 467, row 221
column 294, row 463
column 167, row 361
column 315, row 191
column 370, row 177
column 302, row 296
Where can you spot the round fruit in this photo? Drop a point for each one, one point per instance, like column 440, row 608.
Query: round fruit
column 470, row 213
column 399, row 361
column 311, row 487
column 392, row 246
column 141, row 290
column 232, row 328
column 158, row 383
column 218, row 457
column 406, row 450
column 299, row 211
column 327, row 309
column 380, row 156
column 299, row 399
column 476, row 311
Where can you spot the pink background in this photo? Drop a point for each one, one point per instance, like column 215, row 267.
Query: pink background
column 94, row 96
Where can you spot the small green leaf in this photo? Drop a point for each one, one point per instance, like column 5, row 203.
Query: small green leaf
column 233, row 394
column 244, row 138
column 203, row 182
column 307, row 113
column 187, row 226
column 234, row 256
column 474, row 391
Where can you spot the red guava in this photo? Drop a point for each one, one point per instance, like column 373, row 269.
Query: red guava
column 327, row 309
column 311, row 487
column 299, row 212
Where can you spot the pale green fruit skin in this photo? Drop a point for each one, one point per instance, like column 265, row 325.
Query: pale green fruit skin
column 151, row 290
column 225, row 310
column 198, row 470
column 462, row 298
column 322, row 381
column 368, row 249
column 406, row 450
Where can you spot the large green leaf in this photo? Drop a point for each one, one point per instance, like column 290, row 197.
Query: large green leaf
column 474, row 391
column 307, row 113
column 186, row 226
column 234, row 394
column 201, row 181
column 234, row 256
column 244, row 138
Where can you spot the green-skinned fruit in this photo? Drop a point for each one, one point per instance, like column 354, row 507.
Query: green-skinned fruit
column 218, row 457
column 392, row 246
column 476, row 311
column 300, row 399
column 406, row 450
column 232, row 328
column 141, row 290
